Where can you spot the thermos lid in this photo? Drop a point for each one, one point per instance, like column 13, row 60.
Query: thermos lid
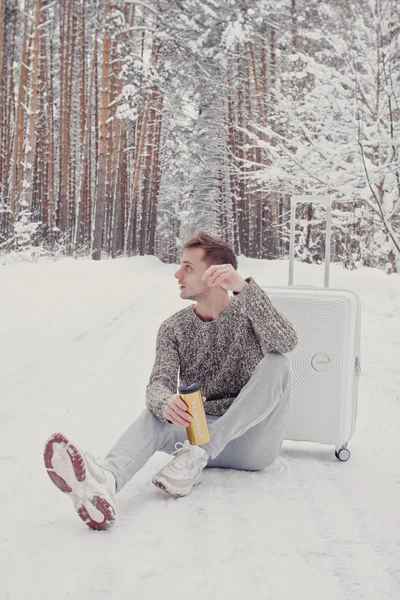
column 189, row 389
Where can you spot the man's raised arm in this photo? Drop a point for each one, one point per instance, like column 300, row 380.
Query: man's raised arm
column 274, row 331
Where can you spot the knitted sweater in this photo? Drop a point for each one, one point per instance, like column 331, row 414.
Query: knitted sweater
column 222, row 354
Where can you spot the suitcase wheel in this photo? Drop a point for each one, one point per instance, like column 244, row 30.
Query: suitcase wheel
column 343, row 454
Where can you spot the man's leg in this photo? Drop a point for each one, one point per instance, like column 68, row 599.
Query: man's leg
column 141, row 440
column 91, row 484
column 249, row 435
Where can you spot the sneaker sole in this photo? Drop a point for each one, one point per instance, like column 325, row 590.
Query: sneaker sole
column 164, row 485
column 82, row 496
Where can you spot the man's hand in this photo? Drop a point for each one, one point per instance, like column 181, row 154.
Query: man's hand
column 176, row 411
column 225, row 276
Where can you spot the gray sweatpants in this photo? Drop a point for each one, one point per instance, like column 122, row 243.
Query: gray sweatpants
column 248, row 436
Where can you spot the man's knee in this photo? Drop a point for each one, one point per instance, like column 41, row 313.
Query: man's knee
column 276, row 360
column 275, row 364
column 149, row 421
column 258, row 464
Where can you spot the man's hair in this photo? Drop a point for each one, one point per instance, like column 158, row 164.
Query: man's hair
column 216, row 250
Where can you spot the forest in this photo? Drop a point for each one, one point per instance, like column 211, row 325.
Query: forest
column 127, row 126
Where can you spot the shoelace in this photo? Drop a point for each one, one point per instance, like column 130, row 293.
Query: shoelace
column 93, row 458
column 183, row 455
column 96, row 462
column 103, row 471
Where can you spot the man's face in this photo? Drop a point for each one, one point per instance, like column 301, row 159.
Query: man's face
column 190, row 273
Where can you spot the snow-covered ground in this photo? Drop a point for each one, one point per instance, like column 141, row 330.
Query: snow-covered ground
column 77, row 346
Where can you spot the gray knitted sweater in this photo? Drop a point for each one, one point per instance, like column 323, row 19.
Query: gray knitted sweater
column 222, row 354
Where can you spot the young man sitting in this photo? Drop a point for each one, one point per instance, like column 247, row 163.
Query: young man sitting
column 232, row 346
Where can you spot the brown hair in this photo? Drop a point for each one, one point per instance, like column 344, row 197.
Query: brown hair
column 216, row 250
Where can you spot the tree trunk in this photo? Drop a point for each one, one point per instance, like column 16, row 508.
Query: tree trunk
column 155, row 181
column 103, row 138
column 135, row 188
column 65, row 112
column 7, row 117
column 117, row 170
column 82, row 228
column 242, row 216
column 48, row 152
column 251, row 185
column 149, row 150
column 16, row 175
column 233, row 174
column 257, row 86
column 147, row 177
column 31, row 124
column 272, row 209
column 294, row 24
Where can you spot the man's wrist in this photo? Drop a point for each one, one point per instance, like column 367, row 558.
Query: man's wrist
column 242, row 288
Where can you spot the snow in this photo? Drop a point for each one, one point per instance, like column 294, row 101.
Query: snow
column 78, row 342
column 234, row 33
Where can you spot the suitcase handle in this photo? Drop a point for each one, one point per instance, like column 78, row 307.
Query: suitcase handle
column 294, row 201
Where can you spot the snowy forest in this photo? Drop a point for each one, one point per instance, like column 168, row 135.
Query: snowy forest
column 126, row 126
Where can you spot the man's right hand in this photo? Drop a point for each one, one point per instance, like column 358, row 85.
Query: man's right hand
column 176, row 411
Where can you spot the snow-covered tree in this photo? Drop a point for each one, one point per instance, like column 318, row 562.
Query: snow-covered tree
column 340, row 133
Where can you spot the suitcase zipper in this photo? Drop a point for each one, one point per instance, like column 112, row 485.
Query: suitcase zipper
column 358, row 366
column 355, row 393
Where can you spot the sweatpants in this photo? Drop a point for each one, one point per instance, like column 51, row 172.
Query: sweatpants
column 248, row 436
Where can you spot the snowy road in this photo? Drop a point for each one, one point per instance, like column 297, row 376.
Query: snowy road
column 77, row 346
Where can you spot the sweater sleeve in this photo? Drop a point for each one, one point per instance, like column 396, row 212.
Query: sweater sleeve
column 272, row 329
column 164, row 376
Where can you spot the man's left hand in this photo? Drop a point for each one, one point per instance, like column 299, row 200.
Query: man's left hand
column 225, row 276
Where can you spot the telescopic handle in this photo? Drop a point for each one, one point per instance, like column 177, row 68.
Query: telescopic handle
column 294, row 201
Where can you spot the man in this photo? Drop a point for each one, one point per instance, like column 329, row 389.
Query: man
column 233, row 347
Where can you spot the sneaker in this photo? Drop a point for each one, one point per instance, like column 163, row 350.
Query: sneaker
column 90, row 487
column 184, row 471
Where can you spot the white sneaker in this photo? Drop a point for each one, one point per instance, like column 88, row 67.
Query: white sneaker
column 90, row 487
column 184, row 471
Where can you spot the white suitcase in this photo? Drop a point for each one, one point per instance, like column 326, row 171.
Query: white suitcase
column 326, row 362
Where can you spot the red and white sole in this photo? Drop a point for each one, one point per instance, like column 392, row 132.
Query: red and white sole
column 163, row 483
column 81, row 491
